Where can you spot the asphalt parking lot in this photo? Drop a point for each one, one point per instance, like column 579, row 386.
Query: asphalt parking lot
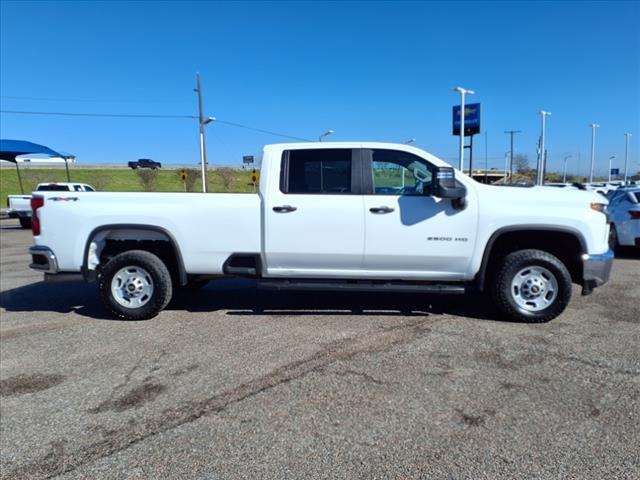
column 230, row 382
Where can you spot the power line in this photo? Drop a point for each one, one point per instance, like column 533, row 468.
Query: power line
column 233, row 124
column 112, row 115
column 126, row 115
column 88, row 100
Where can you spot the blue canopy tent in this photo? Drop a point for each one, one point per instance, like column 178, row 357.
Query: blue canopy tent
column 10, row 149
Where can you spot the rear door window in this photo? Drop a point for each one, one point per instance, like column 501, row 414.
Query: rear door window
column 317, row 171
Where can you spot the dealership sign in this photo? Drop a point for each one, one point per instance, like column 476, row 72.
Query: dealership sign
column 471, row 119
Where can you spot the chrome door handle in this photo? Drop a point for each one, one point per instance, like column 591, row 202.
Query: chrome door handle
column 379, row 210
column 284, row 209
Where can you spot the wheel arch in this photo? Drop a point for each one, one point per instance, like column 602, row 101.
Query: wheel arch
column 540, row 237
column 121, row 231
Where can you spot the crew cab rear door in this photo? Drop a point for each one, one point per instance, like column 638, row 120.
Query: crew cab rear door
column 314, row 222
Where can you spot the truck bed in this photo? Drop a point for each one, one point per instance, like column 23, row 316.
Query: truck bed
column 207, row 227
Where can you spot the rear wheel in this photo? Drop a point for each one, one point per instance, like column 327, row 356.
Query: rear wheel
column 135, row 285
column 531, row 286
column 25, row 222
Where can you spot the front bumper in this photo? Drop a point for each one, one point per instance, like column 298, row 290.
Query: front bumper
column 595, row 270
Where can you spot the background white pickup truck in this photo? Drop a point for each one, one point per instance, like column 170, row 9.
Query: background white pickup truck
column 19, row 206
column 348, row 216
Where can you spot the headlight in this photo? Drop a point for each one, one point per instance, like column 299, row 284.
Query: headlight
column 599, row 207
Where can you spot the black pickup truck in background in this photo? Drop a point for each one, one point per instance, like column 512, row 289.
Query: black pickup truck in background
column 145, row 163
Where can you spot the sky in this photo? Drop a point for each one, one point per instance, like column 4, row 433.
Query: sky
column 380, row 71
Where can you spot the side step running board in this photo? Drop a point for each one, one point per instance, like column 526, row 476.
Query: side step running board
column 280, row 285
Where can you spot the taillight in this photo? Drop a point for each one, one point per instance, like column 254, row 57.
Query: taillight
column 36, row 203
column 635, row 214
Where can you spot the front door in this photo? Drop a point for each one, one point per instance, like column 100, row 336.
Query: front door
column 314, row 223
column 408, row 232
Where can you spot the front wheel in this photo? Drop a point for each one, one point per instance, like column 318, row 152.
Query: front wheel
column 531, row 286
column 135, row 285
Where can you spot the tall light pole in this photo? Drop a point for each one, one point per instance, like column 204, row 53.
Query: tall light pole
column 593, row 149
column 564, row 172
column 506, row 159
column 541, row 166
column 201, row 123
column 626, row 155
column 325, row 134
column 610, row 158
column 462, row 92
column 512, row 133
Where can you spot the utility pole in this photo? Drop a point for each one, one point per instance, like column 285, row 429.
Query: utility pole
column 512, row 133
column 202, row 122
column 541, row 164
column 593, row 149
column 626, row 155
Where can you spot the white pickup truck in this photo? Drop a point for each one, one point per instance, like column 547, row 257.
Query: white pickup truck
column 19, row 206
column 333, row 216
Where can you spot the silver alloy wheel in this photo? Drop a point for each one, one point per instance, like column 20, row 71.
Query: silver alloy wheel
column 132, row 287
column 534, row 288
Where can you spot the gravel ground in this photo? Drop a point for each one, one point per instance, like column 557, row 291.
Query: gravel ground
column 233, row 383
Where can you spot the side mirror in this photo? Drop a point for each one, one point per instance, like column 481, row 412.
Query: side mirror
column 444, row 184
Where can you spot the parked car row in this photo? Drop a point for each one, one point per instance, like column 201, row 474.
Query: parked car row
column 19, row 206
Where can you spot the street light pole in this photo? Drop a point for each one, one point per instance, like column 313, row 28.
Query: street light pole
column 610, row 158
column 511, row 133
column 462, row 92
column 593, row 149
column 564, row 173
column 541, row 163
column 325, row 134
column 506, row 159
column 626, row 155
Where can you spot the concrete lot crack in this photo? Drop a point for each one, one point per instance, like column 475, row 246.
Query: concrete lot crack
column 117, row 440
column 600, row 366
column 363, row 375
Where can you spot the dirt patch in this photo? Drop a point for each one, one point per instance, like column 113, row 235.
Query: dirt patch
column 21, row 384
column 471, row 420
column 134, row 398
column 474, row 420
column 184, row 370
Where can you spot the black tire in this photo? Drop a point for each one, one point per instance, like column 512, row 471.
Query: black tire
column 613, row 238
column 25, row 222
column 160, row 276
column 517, row 262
